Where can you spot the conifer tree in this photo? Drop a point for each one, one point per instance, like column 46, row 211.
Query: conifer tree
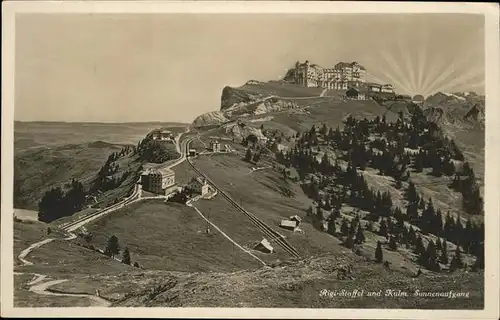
column 421, row 204
column 331, row 227
column 449, row 226
column 456, row 262
column 328, row 205
column 419, row 246
column 479, row 263
column 349, row 242
column 319, row 213
column 344, row 228
column 352, row 227
column 431, row 256
column 248, row 155
column 444, row 253
column 112, row 247
column 383, row 228
column 126, row 256
column 393, row 244
column 379, row 255
column 369, row 226
column 412, row 212
column 323, row 130
column 256, row 157
column 360, row 237
column 310, row 210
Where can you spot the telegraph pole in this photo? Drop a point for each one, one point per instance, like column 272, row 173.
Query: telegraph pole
column 208, row 218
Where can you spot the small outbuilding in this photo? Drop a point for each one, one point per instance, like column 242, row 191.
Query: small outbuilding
column 296, row 218
column 199, row 185
column 192, row 152
column 288, row 224
column 264, row 246
column 215, row 146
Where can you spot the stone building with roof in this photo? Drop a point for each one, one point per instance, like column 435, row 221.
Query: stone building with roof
column 342, row 76
column 199, row 185
column 158, row 180
column 264, row 246
column 215, row 146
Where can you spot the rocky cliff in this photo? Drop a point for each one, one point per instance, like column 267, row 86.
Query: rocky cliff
column 476, row 113
column 210, row 119
column 233, row 97
column 238, row 102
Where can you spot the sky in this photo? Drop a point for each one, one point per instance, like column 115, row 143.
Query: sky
column 173, row 67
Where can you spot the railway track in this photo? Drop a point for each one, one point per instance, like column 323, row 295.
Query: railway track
column 266, row 230
column 70, row 225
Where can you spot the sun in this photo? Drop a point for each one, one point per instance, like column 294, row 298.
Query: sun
column 418, row 98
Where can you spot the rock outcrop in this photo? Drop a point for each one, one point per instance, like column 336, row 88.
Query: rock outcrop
column 476, row 113
column 241, row 130
column 232, row 97
column 210, row 119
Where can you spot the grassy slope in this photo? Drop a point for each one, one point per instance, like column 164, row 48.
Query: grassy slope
column 286, row 286
column 472, row 142
column 281, row 89
column 23, row 298
column 470, row 139
column 42, row 169
column 331, row 112
column 29, row 232
column 51, row 154
column 170, row 237
column 58, row 259
column 261, row 193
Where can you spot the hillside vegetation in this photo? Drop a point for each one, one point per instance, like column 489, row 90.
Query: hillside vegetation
column 38, row 170
column 389, row 193
column 86, row 173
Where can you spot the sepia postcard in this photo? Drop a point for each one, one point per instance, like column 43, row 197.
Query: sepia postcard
column 250, row 159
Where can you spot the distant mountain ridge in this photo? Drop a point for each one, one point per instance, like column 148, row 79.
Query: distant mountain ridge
column 103, row 123
column 458, row 108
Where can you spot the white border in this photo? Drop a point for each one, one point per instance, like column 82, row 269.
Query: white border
column 492, row 174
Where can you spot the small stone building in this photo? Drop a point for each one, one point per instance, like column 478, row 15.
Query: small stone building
column 199, row 185
column 215, row 146
column 296, row 218
column 264, row 246
column 192, row 153
column 288, row 224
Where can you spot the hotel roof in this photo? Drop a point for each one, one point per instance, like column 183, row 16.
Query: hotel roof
column 348, row 64
column 162, row 171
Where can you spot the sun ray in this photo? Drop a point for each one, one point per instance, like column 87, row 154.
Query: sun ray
column 373, row 77
column 395, row 81
column 389, row 59
column 450, row 70
column 422, row 56
column 437, row 67
column 462, row 80
column 479, row 84
column 392, row 78
column 407, row 62
column 395, row 74
column 468, row 87
column 449, row 75
column 457, row 60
